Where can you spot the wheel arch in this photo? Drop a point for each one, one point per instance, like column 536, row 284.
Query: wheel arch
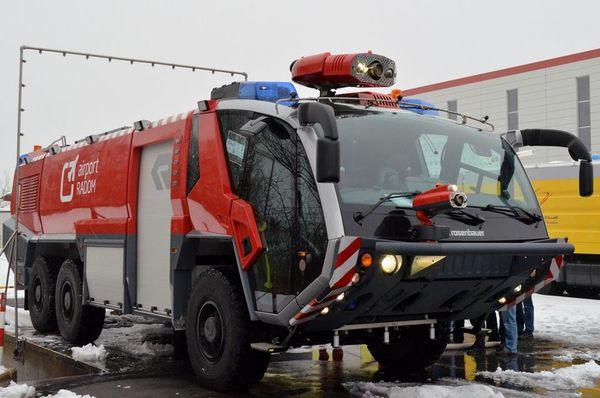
column 193, row 254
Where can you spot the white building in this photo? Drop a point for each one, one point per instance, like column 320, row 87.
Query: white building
column 560, row 93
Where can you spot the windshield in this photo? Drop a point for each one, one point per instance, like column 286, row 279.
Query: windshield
column 383, row 153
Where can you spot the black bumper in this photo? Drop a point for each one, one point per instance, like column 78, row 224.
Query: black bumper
column 467, row 282
column 462, row 248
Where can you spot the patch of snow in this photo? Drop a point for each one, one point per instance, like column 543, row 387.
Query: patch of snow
column 132, row 340
column 24, row 319
column 14, row 390
column 89, row 353
column 569, row 355
column 4, row 269
column 395, row 390
column 569, row 378
column 567, row 319
column 67, row 394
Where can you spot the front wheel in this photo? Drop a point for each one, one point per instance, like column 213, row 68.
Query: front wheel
column 78, row 323
column 218, row 335
column 411, row 349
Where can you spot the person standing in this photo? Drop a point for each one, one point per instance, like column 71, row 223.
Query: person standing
column 525, row 319
column 509, row 320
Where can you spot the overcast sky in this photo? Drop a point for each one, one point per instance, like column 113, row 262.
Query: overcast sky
column 430, row 41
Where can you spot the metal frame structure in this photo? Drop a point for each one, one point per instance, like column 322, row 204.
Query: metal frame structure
column 20, row 110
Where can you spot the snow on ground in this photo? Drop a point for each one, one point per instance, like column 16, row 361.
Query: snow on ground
column 133, row 339
column 3, row 270
column 14, row 390
column 393, row 390
column 89, row 353
column 567, row 319
column 569, row 378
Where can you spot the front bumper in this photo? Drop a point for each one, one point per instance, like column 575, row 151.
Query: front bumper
column 466, row 281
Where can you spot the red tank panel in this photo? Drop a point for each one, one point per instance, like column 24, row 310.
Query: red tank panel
column 87, row 183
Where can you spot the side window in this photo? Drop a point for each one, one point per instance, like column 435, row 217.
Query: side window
column 193, row 168
column 311, row 223
column 235, row 144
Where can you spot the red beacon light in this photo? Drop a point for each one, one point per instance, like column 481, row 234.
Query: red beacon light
column 327, row 72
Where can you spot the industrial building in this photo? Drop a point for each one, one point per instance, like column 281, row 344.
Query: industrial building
column 560, row 93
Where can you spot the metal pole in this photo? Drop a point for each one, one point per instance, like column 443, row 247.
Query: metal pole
column 135, row 60
column 17, row 353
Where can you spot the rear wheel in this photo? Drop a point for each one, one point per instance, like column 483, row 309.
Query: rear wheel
column 40, row 294
column 411, row 349
column 218, row 335
column 78, row 323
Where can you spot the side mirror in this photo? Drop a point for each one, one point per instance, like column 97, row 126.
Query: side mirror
column 328, row 146
column 559, row 138
column 586, row 178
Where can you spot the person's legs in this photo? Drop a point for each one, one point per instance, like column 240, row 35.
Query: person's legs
column 520, row 318
column 528, row 314
column 509, row 319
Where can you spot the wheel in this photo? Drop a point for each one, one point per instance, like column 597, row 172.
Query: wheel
column 218, row 335
column 78, row 323
column 40, row 294
column 411, row 349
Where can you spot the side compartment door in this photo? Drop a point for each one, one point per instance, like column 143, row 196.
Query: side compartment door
column 154, row 215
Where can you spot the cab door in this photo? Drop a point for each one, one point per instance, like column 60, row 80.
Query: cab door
column 270, row 171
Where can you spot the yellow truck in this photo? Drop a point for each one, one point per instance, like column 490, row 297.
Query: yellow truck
column 578, row 218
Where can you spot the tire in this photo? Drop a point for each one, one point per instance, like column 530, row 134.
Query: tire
column 78, row 323
column 40, row 294
column 411, row 349
column 218, row 335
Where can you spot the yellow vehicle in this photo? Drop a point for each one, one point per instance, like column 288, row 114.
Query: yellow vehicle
column 577, row 218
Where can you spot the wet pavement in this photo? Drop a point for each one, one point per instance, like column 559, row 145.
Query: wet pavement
column 288, row 377
column 140, row 363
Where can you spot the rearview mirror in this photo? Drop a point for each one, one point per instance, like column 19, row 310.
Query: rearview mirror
column 328, row 146
column 559, row 138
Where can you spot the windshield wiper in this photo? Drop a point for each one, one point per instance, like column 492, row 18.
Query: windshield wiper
column 517, row 212
column 358, row 216
column 459, row 214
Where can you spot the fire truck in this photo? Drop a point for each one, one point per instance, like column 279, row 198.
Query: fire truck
column 261, row 221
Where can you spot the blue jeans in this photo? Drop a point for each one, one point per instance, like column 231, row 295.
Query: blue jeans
column 509, row 319
column 528, row 314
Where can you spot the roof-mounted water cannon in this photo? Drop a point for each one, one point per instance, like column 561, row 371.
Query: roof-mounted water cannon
column 327, row 72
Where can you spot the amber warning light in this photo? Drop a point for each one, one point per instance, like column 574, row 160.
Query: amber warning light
column 327, row 72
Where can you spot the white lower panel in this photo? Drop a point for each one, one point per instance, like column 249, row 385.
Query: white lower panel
column 154, row 228
column 104, row 274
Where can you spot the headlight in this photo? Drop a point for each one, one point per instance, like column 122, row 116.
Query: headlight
column 390, row 263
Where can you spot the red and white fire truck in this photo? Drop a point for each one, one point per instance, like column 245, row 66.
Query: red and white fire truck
column 261, row 221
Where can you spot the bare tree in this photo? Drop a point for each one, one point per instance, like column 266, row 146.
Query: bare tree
column 5, row 186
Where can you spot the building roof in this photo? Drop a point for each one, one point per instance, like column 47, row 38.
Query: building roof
column 566, row 59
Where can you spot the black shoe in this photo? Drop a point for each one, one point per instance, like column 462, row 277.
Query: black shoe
column 527, row 335
column 504, row 353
